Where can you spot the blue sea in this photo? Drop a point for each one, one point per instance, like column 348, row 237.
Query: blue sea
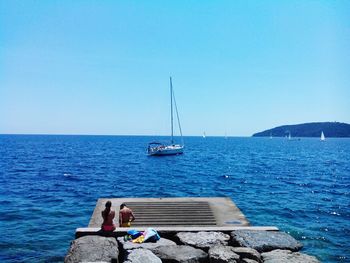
column 49, row 186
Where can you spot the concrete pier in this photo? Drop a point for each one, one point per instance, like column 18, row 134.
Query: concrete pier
column 190, row 230
column 173, row 215
column 176, row 212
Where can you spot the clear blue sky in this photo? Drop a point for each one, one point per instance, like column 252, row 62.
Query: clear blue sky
column 103, row 67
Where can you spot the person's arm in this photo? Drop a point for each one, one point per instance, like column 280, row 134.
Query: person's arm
column 120, row 219
column 103, row 216
column 132, row 216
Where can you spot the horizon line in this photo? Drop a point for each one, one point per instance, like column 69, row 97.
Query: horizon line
column 140, row 135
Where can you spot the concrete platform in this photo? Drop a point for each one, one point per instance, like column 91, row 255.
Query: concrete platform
column 176, row 213
column 166, row 231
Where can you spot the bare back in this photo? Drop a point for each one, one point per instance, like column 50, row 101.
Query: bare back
column 126, row 215
column 108, row 219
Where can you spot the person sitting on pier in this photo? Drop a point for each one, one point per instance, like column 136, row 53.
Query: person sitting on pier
column 108, row 216
column 126, row 216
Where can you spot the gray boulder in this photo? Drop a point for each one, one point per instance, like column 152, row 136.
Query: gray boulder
column 128, row 245
column 222, row 254
column 286, row 256
column 203, row 240
column 247, row 253
column 140, row 255
column 264, row 241
column 93, row 249
column 180, row 254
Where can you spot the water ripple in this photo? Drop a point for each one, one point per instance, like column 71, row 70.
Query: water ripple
column 49, row 186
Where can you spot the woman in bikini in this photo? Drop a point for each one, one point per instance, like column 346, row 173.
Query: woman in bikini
column 108, row 216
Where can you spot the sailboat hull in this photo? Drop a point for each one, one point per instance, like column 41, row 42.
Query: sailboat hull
column 166, row 150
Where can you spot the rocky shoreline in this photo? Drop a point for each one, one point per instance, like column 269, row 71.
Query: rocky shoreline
column 240, row 246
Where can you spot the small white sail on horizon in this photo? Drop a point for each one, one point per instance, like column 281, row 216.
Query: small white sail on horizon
column 323, row 138
column 203, row 135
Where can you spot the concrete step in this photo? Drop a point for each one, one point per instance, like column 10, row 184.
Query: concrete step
column 174, row 224
column 172, row 213
column 121, row 231
column 170, row 217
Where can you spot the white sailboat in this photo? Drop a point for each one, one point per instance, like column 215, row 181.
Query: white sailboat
column 156, row 148
column 203, row 135
column 322, row 137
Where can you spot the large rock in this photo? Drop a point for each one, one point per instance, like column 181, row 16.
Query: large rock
column 141, row 255
column 286, row 256
column 264, row 241
column 222, row 254
column 247, row 253
column 180, row 254
column 93, row 249
column 203, row 240
column 128, row 245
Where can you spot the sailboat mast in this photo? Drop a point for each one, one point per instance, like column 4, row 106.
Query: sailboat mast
column 171, row 103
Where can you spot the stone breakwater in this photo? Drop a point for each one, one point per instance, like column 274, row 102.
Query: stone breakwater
column 240, row 246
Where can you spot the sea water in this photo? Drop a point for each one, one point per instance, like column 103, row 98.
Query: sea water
column 49, row 186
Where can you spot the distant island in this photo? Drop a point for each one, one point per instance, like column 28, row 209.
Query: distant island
column 312, row 129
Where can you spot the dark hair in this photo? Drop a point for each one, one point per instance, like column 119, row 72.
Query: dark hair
column 108, row 204
column 122, row 205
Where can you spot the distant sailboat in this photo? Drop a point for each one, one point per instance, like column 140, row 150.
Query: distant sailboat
column 203, row 135
column 322, row 137
column 156, row 148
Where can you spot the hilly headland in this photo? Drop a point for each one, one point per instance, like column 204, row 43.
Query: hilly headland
column 312, row 129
